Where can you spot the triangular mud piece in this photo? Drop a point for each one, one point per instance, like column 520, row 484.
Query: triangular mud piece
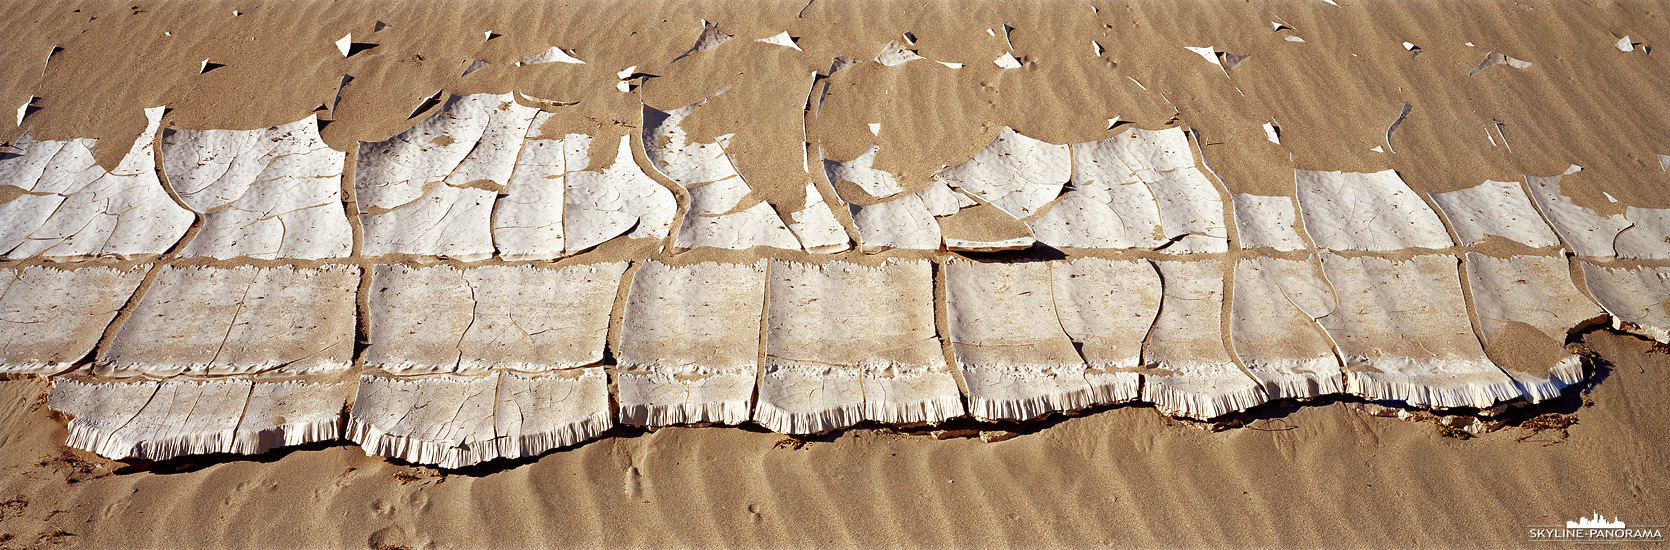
column 76, row 209
column 1187, row 367
column 1527, row 308
column 690, row 342
column 781, row 39
column 161, row 420
column 455, row 421
column 553, row 55
column 26, row 109
column 211, row 321
column 1230, row 60
column 51, row 318
column 442, row 319
column 824, row 371
column 430, row 190
column 1007, row 61
column 267, row 194
column 1637, row 297
column 1334, row 203
column 1495, row 208
column 1423, row 352
column 895, row 54
column 1273, row 325
column 475, row 65
column 710, row 38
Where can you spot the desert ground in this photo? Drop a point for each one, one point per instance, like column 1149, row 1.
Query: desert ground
column 1446, row 94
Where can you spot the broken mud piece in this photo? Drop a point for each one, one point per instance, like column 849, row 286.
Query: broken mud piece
column 782, row 39
column 1585, row 231
column 860, row 172
column 161, row 420
column 984, row 228
column 1493, row 59
column 619, row 200
column 267, row 194
column 822, row 371
column 26, row 109
column 710, row 38
column 51, row 318
column 553, row 206
column 1647, row 235
column 210, row 321
column 552, row 55
column 1007, row 61
column 816, row 227
column 1333, row 204
column 1393, row 128
column 1424, row 352
column 994, row 436
column 441, row 319
column 1267, row 222
column 1018, row 174
column 1016, row 349
column 1527, row 308
column 1139, row 189
column 1230, row 60
column 1635, row 297
column 690, row 342
column 1188, row 370
column 894, row 54
column 1274, row 329
column 430, row 190
column 454, row 421
column 73, row 208
column 724, row 212
column 1495, row 208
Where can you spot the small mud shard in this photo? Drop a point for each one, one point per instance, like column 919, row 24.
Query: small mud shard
column 1493, row 59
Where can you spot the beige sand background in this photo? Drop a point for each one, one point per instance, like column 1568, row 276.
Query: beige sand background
column 1317, row 475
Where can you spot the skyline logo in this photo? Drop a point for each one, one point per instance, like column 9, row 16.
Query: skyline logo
column 1596, row 529
column 1597, row 522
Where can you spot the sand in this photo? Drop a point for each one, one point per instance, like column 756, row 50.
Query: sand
column 1321, row 474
